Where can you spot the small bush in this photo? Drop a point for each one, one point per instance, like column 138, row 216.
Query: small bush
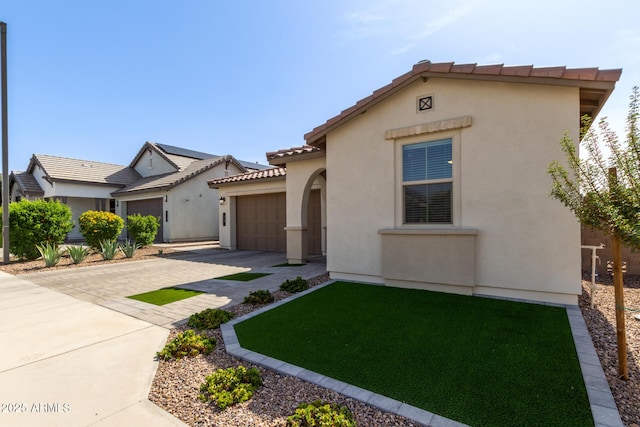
column 210, row 318
column 321, row 414
column 37, row 222
column 226, row 387
column 143, row 229
column 129, row 249
column 259, row 297
column 108, row 249
column 77, row 253
column 50, row 254
column 97, row 226
column 187, row 343
column 294, row 286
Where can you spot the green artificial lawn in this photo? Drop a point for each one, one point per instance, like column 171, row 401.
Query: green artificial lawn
column 243, row 277
column 480, row 361
column 165, row 296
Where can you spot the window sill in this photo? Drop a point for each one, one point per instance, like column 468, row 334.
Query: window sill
column 430, row 230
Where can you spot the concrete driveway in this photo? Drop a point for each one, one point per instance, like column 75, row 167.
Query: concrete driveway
column 76, row 352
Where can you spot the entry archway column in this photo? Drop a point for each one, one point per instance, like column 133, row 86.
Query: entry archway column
column 300, row 178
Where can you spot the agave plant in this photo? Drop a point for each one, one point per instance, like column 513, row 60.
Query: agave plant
column 50, row 252
column 129, row 249
column 109, row 248
column 77, row 253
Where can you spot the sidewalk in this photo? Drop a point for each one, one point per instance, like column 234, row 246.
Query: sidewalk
column 66, row 362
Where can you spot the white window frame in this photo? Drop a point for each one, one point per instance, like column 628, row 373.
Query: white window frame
column 455, row 137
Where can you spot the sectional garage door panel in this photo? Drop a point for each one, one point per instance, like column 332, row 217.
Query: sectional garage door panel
column 260, row 222
column 261, row 219
column 148, row 207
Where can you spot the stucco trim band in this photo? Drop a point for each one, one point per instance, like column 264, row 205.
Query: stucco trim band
column 437, row 126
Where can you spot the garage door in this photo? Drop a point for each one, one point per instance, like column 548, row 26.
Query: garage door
column 261, row 219
column 148, row 207
column 260, row 222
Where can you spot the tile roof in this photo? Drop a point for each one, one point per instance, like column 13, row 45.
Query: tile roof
column 84, row 171
column 596, row 85
column 280, row 156
column 272, row 173
column 27, row 183
column 170, row 180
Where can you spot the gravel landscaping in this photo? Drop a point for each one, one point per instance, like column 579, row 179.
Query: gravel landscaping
column 17, row 267
column 601, row 322
column 176, row 384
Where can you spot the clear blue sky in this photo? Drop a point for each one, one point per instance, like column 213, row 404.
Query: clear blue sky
column 95, row 79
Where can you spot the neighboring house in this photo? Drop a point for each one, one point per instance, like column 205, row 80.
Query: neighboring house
column 81, row 184
column 174, row 188
column 162, row 180
column 436, row 181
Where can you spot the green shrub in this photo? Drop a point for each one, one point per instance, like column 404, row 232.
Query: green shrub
column 259, row 297
column 293, row 286
column 143, row 229
column 51, row 254
column 108, row 249
column 226, row 387
column 321, row 414
column 96, row 226
column 187, row 343
column 77, row 253
column 129, row 249
column 210, row 318
column 37, row 222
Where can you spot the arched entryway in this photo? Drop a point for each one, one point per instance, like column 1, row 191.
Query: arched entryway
column 305, row 180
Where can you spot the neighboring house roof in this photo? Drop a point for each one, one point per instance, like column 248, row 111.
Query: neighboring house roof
column 280, row 157
column 169, row 180
column 27, row 183
column 180, row 158
column 63, row 169
column 595, row 86
column 265, row 174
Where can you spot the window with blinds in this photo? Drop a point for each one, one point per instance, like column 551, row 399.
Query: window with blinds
column 427, row 182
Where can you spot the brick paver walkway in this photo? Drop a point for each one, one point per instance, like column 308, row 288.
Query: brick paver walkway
column 110, row 285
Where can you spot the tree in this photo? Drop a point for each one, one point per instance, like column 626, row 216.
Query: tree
column 603, row 191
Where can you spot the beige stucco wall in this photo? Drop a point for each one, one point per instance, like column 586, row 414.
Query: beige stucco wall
column 527, row 244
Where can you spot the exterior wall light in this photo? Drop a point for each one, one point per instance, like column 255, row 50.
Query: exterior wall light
column 222, row 200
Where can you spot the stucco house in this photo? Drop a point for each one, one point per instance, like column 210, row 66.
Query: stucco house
column 173, row 186
column 436, row 181
column 81, row 184
column 162, row 180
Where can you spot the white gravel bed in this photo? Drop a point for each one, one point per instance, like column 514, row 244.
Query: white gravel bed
column 601, row 322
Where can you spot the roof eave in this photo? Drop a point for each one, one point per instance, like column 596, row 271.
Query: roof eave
column 317, row 137
column 246, row 181
column 282, row 161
